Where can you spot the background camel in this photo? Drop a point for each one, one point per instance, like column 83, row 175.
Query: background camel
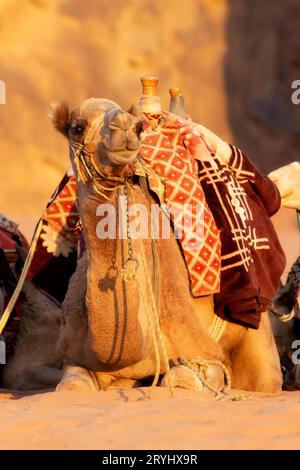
column 285, row 304
column 100, row 348
column 36, row 317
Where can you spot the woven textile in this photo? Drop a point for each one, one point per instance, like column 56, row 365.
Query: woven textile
column 242, row 201
column 62, row 211
column 55, row 257
column 197, row 232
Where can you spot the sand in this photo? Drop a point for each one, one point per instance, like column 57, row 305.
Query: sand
column 131, row 420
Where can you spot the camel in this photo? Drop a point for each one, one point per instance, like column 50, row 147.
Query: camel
column 284, row 311
column 128, row 313
column 36, row 363
column 287, row 336
column 285, row 320
column 287, row 179
column 35, row 353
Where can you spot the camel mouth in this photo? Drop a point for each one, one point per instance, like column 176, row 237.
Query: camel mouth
column 122, row 157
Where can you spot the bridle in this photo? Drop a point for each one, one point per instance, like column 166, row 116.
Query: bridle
column 89, row 171
column 87, row 168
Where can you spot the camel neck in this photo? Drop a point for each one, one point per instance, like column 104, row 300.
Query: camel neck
column 113, row 305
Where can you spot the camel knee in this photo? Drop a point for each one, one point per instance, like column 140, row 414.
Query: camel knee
column 34, row 377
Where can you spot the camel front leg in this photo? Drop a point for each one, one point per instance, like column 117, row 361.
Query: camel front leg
column 35, row 377
column 255, row 361
column 44, row 377
column 77, row 378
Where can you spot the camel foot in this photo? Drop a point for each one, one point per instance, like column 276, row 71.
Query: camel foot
column 183, row 377
column 211, row 382
column 214, row 376
column 76, row 379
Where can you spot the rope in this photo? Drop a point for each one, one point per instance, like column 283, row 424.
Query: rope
column 92, row 172
column 158, row 340
column 283, row 318
column 11, row 304
column 153, row 320
column 199, row 366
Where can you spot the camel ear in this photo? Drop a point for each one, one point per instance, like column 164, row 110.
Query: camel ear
column 136, row 111
column 61, row 117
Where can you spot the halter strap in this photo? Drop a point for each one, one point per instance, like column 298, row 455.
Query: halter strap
column 85, row 159
column 93, row 127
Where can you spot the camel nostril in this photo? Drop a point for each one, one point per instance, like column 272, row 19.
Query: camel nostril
column 132, row 144
column 132, row 140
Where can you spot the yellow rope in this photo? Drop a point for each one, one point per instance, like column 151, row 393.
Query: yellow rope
column 153, row 320
column 199, row 366
column 157, row 335
column 156, row 348
column 80, row 162
column 7, row 312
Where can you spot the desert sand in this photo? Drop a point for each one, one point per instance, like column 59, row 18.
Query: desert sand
column 133, row 420
column 138, row 419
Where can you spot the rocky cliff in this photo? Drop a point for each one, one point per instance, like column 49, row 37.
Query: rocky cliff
column 235, row 61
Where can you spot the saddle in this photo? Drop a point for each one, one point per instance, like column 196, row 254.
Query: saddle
column 12, row 244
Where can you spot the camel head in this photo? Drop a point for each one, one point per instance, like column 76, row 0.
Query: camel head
column 109, row 135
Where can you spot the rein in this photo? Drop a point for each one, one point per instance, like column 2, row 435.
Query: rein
column 85, row 160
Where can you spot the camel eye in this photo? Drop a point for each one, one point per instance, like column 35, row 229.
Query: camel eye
column 78, row 130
